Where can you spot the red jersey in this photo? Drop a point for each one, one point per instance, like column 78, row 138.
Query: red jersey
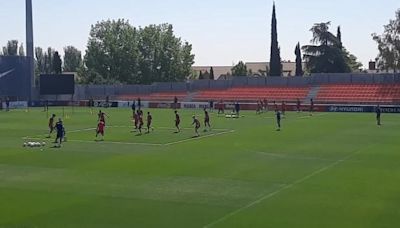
column 100, row 126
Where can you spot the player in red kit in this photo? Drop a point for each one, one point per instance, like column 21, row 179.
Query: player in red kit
column 141, row 123
column 311, row 107
column 149, row 121
column 265, row 105
column 298, row 105
column 196, row 124
column 102, row 117
column 100, row 130
column 206, row 120
column 136, row 119
column 283, row 108
column 51, row 125
column 177, row 121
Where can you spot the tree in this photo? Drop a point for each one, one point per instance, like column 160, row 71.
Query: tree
column 48, row 61
column 40, row 66
column 299, row 62
column 353, row 62
column 275, row 58
column 212, row 77
column 21, row 51
column 339, row 36
column 11, row 49
column 57, row 63
column 201, row 77
column 389, row 45
column 239, row 69
column 72, row 59
column 120, row 53
column 351, row 59
column 112, row 53
column 326, row 54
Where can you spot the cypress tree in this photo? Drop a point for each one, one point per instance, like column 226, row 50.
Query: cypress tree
column 212, row 74
column 275, row 58
column 339, row 37
column 299, row 66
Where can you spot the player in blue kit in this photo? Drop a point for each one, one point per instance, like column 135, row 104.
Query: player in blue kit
column 60, row 132
column 378, row 112
column 278, row 120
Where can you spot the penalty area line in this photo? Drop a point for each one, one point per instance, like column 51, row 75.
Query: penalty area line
column 198, row 138
column 100, row 142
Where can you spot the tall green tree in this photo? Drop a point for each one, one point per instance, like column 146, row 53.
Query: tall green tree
column 275, row 57
column 212, row 77
column 299, row 61
column 57, row 63
column 72, row 59
column 389, row 45
column 21, row 50
column 239, row 69
column 326, row 54
column 11, row 49
column 40, row 66
column 112, row 53
column 339, row 36
column 49, row 61
column 120, row 53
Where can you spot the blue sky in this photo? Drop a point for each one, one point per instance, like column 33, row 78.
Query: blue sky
column 222, row 31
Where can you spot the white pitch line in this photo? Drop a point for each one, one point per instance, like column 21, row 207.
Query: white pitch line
column 285, row 187
column 198, row 138
column 101, row 142
column 119, row 143
column 132, row 143
column 80, row 130
column 170, row 128
column 284, row 156
column 314, row 115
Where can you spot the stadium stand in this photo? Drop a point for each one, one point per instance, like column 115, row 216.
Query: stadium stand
column 326, row 94
column 360, row 94
column 253, row 94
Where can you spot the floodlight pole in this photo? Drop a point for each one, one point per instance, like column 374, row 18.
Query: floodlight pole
column 29, row 45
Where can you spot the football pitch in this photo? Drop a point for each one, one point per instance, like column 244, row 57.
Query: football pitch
column 327, row 170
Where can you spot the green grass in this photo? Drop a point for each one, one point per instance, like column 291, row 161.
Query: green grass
column 329, row 170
